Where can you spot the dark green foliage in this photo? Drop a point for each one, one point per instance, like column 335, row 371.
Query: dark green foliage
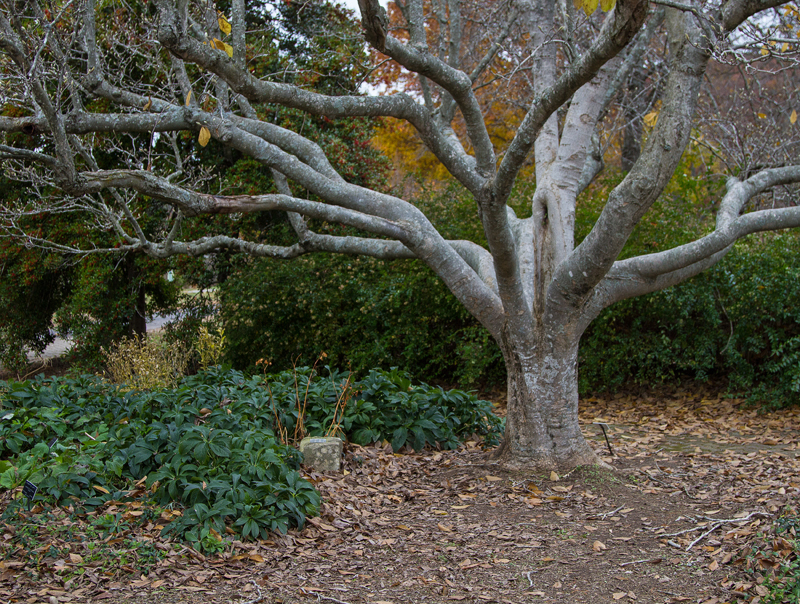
column 33, row 284
column 209, row 444
column 386, row 406
column 739, row 320
column 362, row 312
column 110, row 439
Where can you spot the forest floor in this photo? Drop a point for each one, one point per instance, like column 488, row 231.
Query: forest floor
column 688, row 515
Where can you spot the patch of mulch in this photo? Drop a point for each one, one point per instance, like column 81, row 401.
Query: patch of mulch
column 687, row 516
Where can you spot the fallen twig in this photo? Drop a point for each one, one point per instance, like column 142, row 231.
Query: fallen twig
column 738, row 594
column 718, row 523
column 611, row 513
column 684, row 531
column 321, row 597
column 536, row 570
column 654, row 560
column 258, row 598
column 658, row 480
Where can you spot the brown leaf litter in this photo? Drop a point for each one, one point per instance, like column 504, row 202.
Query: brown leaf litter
column 687, row 517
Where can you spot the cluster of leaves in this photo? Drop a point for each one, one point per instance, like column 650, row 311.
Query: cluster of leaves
column 209, row 444
column 386, row 405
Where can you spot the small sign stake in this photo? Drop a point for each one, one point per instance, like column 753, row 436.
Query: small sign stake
column 29, row 491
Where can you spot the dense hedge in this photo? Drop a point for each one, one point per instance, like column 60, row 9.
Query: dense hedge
column 362, row 312
column 740, row 320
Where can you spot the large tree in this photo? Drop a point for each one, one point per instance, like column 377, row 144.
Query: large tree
column 75, row 74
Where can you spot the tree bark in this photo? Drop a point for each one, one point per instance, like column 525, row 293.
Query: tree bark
column 138, row 321
column 634, row 123
column 542, row 428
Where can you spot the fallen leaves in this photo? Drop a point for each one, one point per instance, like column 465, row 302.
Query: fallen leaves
column 444, row 526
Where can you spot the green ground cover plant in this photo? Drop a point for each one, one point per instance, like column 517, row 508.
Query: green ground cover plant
column 212, row 448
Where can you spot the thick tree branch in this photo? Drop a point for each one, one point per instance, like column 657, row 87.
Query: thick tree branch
column 645, row 274
column 618, row 29
column 192, row 203
column 628, row 202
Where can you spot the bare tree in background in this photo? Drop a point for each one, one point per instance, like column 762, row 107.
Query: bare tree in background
column 532, row 289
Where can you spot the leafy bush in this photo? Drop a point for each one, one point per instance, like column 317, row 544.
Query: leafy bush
column 146, row 364
column 740, row 320
column 209, row 347
column 110, row 439
column 363, row 312
column 209, row 444
column 386, row 406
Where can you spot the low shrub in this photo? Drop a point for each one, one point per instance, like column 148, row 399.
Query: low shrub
column 146, row 363
column 363, row 312
column 779, row 559
column 210, row 444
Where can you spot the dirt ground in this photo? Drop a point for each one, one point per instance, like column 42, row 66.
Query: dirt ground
column 684, row 517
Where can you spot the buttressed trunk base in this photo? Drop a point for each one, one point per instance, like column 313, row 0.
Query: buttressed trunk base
column 542, row 428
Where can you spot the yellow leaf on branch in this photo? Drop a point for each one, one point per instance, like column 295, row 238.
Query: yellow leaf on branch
column 588, row 6
column 205, row 136
column 219, row 44
column 224, row 25
column 793, row 117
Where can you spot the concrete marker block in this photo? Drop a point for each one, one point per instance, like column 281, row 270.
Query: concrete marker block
column 323, row 454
